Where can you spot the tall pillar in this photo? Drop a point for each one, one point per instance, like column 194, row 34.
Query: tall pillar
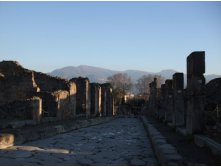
column 153, row 97
column 82, row 96
column 195, row 92
column 95, row 99
column 163, row 104
column 36, row 105
column 178, row 93
column 169, row 100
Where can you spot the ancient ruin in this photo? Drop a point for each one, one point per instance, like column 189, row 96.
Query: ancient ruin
column 95, row 99
column 195, row 92
column 83, row 96
column 185, row 108
column 31, row 95
column 178, row 95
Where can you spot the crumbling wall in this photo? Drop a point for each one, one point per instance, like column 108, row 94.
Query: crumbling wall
column 95, row 99
column 72, row 97
column 48, row 83
column 195, row 92
column 17, row 83
column 213, row 91
column 82, row 96
column 213, row 102
column 153, row 97
column 178, row 93
column 22, row 110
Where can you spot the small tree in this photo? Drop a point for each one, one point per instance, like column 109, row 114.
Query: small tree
column 142, row 84
column 121, row 84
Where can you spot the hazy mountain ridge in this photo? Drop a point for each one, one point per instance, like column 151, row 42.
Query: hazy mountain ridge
column 97, row 74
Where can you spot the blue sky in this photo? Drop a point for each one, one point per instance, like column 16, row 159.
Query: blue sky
column 149, row 36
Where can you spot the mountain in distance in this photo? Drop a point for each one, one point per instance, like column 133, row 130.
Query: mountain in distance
column 100, row 75
column 95, row 74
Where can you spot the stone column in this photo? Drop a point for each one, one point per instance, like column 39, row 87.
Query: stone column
column 83, row 96
column 103, row 101
column 95, row 99
column 109, row 100
column 169, row 101
column 36, row 105
column 178, row 109
column 153, row 97
column 163, row 104
column 195, row 92
column 72, row 95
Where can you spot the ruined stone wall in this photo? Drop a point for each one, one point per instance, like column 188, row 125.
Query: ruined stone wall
column 21, row 110
column 153, row 97
column 109, row 99
column 162, row 102
column 178, row 93
column 49, row 104
column 72, row 96
column 63, row 102
column 17, row 83
column 195, row 92
column 103, row 100
column 95, row 99
column 82, row 96
column 213, row 91
column 169, row 100
column 213, row 102
column 58, row 104
column 48, row 83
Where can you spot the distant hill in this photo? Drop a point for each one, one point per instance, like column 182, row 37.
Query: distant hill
column 96, row 74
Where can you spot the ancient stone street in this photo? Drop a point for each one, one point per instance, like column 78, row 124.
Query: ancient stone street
column 122, row 141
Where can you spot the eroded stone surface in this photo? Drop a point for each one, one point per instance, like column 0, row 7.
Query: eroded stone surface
column 119, row 142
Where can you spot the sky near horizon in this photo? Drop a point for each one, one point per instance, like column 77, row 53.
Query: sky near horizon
column 147, row 36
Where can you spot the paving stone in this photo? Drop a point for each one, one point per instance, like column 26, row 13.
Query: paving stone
column 18, row 154
column 137, row 162
column 85, row 161
column 122, row 141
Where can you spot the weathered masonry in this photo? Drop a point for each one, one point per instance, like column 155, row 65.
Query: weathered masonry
column 83, row 96
column 31, row 95
column 189, row 110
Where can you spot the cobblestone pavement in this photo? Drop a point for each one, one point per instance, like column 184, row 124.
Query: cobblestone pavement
column 122, row 141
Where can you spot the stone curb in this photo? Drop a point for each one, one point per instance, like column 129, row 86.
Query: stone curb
column 203, row 141
column 20, row 136
column 165, row 152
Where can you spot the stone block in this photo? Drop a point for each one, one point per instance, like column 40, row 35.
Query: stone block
column 6, row 140
column 36, row 105
column 178, row 81
column 95, row 99
column 196, row 63
column 195, row 113
column 83, row 102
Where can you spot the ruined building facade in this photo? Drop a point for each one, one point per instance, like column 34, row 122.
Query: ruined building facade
column 187, row 109
column 31, row 95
